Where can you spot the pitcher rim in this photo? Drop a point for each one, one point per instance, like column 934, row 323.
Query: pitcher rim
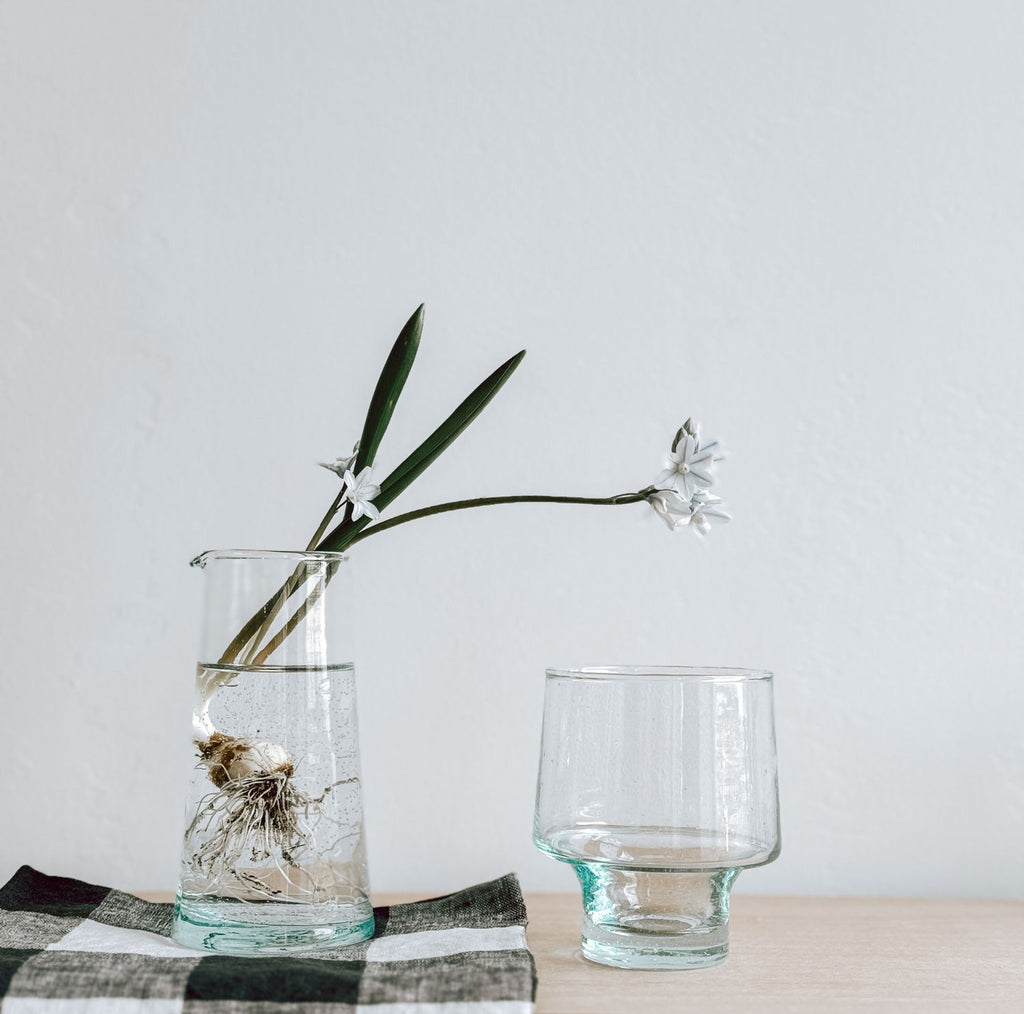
column 316, row 556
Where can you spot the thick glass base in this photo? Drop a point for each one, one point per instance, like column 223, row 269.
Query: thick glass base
column 229, row 926
column 655, row 918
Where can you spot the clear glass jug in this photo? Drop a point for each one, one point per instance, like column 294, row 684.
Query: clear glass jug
column 274, row 857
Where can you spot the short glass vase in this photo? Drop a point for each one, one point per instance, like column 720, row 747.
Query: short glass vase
column 658, row 786
column 274, row 858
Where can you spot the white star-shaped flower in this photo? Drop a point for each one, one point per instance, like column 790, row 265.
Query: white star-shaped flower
column 690, row 464
column 704, row 509
column 341, row 465
column 360, row 491
column 699, row 511
column 670, row 507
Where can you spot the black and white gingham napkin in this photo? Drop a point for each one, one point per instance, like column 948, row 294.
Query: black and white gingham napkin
column 69, row 947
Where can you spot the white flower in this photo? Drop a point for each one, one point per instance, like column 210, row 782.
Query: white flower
column 341, row 465
column 670, row 507
column 360, row 491
column 699, row 511
column 690, row 464
column 705, row 508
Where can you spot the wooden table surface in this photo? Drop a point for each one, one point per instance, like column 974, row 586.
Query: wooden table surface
column 803, row 954
column 797, row 954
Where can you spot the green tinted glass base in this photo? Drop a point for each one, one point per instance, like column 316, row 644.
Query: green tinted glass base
column 655, row 918
column 228, row 926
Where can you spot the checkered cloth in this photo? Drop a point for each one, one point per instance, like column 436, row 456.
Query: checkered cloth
column 69, row 947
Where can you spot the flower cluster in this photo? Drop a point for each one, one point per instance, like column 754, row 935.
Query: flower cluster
column 359, row 490
column 680, row 495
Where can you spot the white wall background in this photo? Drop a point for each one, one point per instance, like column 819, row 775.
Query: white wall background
column 803, row 223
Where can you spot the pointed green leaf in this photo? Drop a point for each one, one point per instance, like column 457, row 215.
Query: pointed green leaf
column 389, row 387
column 438, row 441
column 428, row 452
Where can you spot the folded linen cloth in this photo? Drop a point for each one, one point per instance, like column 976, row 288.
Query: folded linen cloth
column 67, row 947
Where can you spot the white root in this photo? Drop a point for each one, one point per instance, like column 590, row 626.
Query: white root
column 256, row 817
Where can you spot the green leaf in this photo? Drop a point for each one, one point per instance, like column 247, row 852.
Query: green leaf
column 389, row 387
column 427, row 452
column 438, row 441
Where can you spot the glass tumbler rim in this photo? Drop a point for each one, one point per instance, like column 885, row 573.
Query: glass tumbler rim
column 680, row 673
column 314, row 556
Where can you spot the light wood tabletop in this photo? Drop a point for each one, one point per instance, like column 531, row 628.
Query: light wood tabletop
column 803, row 954
column 796, row 954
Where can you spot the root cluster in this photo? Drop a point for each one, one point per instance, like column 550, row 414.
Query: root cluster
column 256, row 817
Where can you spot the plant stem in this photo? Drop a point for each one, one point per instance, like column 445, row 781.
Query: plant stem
column 254, row 655
column 258, row 625
column 490, row 501
column 256, row 628
column 297, row 617
column 318, row 535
